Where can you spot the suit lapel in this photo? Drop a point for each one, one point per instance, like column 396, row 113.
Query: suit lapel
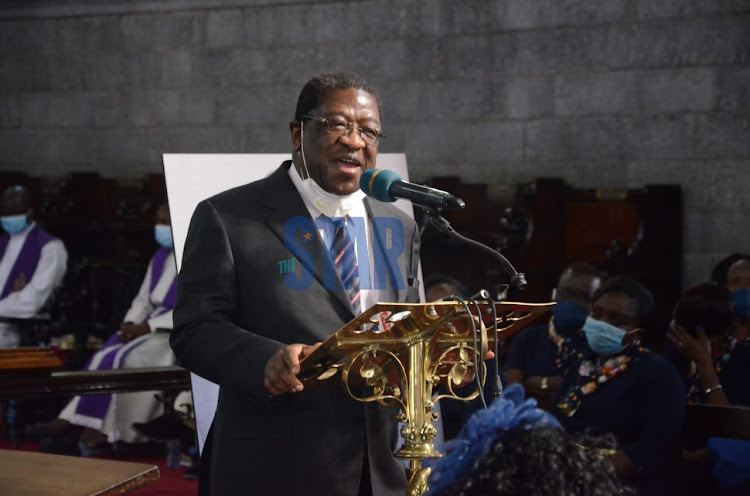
column 285, row 201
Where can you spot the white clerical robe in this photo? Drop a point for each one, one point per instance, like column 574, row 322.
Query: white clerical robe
column 26, row 303
column 150, row 350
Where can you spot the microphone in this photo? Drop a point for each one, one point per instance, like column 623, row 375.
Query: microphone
column 387, row 186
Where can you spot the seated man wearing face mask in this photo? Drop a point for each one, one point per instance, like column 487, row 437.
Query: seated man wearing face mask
column 142, row 341
column 624, row 389
column 32, row 263
column 539, row 355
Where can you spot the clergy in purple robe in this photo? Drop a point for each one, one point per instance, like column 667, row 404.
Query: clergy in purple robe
column 32, row 263
column 140, row 342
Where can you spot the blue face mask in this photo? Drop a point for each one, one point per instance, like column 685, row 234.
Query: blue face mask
column 568, row 317
column 14, row 224
column 742, row 302
column 603, row 338
column 163, row 235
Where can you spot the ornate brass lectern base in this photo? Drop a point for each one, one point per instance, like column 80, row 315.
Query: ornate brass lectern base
column 401, row 351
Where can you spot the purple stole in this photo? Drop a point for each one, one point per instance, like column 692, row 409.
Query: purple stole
column 157, row 268
column 95, row 407
column 28, row 258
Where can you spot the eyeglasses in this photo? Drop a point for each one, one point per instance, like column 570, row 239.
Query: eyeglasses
column 340, row 127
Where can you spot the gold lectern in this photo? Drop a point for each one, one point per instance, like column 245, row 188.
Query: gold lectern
column 400, row 351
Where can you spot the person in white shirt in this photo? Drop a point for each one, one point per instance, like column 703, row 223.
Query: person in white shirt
column 32, row 263
column 142, row 341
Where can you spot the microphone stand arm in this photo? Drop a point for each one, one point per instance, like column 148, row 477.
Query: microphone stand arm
column 517, row 279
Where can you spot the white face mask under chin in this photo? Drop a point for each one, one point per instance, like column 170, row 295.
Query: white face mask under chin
column 329, row 204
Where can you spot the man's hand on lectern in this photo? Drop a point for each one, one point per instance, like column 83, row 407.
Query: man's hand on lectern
column 283, row 367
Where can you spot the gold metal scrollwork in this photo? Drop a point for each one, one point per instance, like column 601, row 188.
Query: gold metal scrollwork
column 396, row 352
column 374, row 377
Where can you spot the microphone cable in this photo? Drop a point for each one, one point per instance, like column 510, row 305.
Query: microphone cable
column 497, row 389
column 497, row 385
column 481, row 378
column 477, row 358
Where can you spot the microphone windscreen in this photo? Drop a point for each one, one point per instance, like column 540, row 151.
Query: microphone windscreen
column 376, row 183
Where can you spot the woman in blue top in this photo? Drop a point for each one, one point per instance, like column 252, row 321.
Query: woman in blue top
column 624, row 389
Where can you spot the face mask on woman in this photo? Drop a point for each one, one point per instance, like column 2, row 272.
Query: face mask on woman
column 163, row 235
column 742, row 302
column 604, row 338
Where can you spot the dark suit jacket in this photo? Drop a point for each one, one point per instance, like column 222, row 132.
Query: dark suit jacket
column 234, row 311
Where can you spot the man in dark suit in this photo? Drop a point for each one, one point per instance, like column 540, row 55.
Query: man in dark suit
column 242, row 324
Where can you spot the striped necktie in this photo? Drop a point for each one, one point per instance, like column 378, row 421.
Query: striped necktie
column 345, row 260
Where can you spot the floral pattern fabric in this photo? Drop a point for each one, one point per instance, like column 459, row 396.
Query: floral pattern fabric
column 593, row 374
column 567, row 352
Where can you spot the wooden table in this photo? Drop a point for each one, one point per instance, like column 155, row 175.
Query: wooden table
column 25, row 473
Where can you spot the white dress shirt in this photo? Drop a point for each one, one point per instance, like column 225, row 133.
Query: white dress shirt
column 368, row 296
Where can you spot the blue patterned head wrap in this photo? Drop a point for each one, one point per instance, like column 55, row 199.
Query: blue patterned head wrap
column 507, row 413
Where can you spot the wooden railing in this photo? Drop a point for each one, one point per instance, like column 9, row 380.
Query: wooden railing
column 30, row 372
column 95, row 382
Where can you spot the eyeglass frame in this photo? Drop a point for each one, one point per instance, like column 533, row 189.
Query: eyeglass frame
column 349, row 128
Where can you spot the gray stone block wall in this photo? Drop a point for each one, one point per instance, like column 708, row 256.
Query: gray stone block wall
column 601, row 93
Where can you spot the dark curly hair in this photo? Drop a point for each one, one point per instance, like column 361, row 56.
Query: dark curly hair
column 541, row 461
column 317, row 89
